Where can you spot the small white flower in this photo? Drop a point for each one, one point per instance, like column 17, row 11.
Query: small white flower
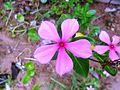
column 90, row 88
column 7, row 86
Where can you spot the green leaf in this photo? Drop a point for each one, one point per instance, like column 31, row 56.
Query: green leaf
column 25, row 79
column 88, row 38
column 29, row 66
column 91, row 13
column 33, row 35
column 101, row 58
column 47, row 14
column 36, row 87
column 110, row 70
column 95, row 31
column 89, row 1
column 81, row 66
column 31, row 73
column 95, row 83
column 19, row 17
column 86, row 7
column 8, row 5
column 74, row 81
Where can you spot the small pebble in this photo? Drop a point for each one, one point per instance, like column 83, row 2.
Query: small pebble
column 33, row 23
column 27, row 8
column 113, row 29
column 43, row 1
column 113, row 25
column 109, row 10
column 118, row 8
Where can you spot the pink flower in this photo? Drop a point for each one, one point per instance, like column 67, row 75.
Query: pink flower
column 80, row 48
column 106, row 73
column 111, row 46
column 90, row 88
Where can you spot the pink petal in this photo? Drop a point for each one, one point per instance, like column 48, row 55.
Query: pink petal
column 113, row 55
column 117, row 48
column 106, row 73
column 104, row 37
column 80, row 48
column 45, row 53
column 47, row 30
column 116, row 39
column 101, row 49
column 69, row 28
column 64, row 63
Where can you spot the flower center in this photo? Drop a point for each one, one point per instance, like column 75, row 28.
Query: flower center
column 61, row 44
column 111, row 46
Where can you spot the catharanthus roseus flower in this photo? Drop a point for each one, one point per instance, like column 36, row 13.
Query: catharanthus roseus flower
column 80, row 48
column 90, row 88
column 111, row 46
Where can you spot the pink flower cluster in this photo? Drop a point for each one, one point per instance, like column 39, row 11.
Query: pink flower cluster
column 114, row 49
column 80, row 48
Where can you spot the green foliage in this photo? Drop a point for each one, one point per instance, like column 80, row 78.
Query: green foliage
column 95, row 31
column 81, row 66
column 79, row 83
column 32, row 34
column 89, row 1
column 36, row 87
column 25, row 79
column 30, row 67
column 61, row 7
column 31, row 73
column 2, row 12
column 103, row 60
column 19, row 17
column 72, row 9
column 75, row 82
column 95, row 83
column 112, row 71
column 88, row 38
column 90, row 13
column 8, row 5
column 84, row 14
column 100, row 72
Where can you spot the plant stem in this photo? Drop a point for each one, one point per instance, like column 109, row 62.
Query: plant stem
column 94, row 60
column 58, row 82
column 8, row 17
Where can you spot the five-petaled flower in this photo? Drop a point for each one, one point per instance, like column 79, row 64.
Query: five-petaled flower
column 111, row 46
column 80, row 48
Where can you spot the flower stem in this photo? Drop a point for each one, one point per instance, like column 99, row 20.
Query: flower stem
column 58, row 82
